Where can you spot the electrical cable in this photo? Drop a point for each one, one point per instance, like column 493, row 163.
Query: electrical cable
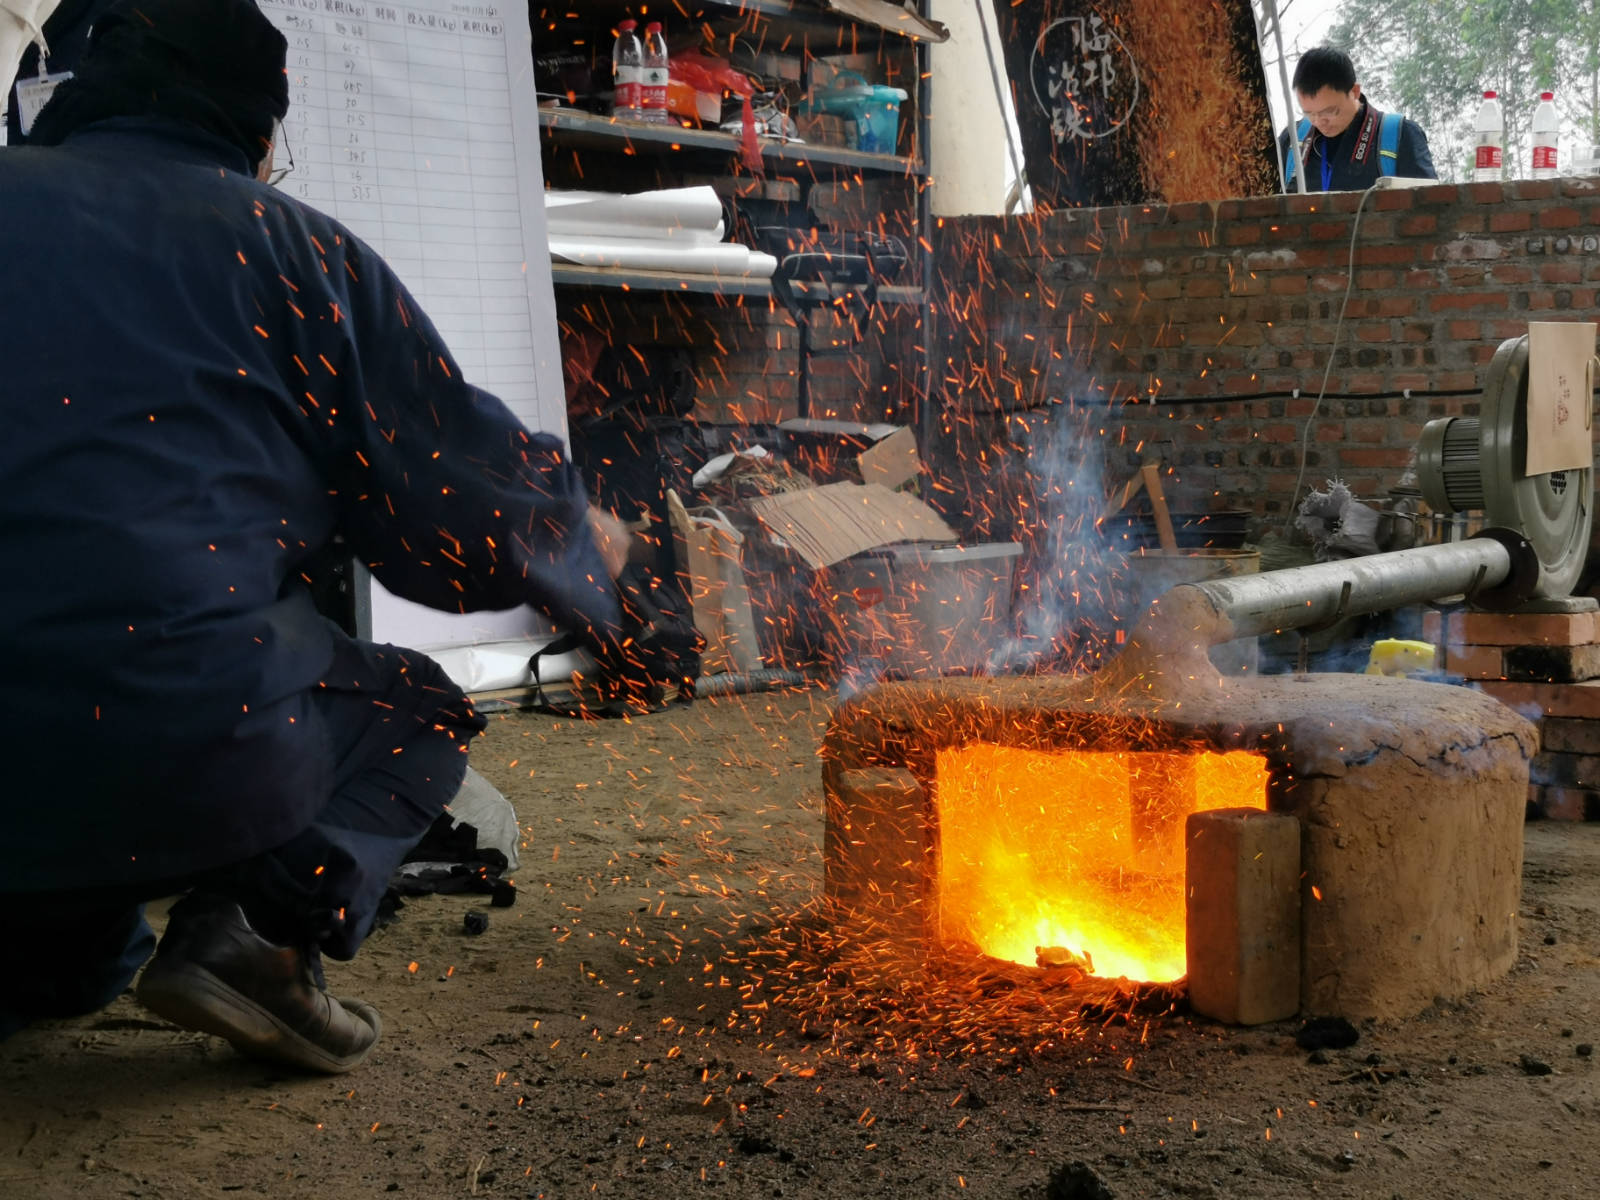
column 1333, row 349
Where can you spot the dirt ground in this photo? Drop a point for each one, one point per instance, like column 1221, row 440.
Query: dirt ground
column 628, row 1029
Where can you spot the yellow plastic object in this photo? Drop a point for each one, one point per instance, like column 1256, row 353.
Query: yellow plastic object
column 1396, row 656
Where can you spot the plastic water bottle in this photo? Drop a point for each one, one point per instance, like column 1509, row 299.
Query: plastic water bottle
column 1491, row 141
column 656, row 72
column 1545, row 125
column 627, row 73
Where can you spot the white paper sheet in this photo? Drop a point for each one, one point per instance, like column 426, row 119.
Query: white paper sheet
column 416, row 124
column 727, row 258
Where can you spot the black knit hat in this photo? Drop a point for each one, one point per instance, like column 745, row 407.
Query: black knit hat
column 218, row 64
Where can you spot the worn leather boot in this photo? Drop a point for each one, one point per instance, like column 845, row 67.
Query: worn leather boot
column 212, row 972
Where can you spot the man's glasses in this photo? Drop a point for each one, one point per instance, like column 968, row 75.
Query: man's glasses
column 280, row 143
column 1325, row 114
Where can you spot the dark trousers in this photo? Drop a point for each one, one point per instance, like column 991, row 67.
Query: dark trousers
column 399, row 731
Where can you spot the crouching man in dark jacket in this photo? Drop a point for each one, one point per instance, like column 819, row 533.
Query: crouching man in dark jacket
column 205, row 382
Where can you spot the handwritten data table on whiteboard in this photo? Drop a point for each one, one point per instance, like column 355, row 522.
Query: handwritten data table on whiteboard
column 403, row 123
column 416, row 124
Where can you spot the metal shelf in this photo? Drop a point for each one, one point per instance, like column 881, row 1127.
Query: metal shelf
column 567, row 275
column 866, row 20
column 609, row 133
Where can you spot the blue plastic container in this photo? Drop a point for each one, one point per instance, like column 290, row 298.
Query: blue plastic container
column 874, row 108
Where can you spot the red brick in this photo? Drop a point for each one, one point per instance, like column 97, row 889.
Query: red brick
column 1482, row 193
column 1517, row 629
column 1240, row 234
column 1511, row 273
column 1561, row 272
column 1533, row 189
column 1510, row 221
column 1562, row 804
column 1549, row 769
column 1287, row 285
column 1366, row 256
column 1560, row 218
column 1368, row 431
column 1261, row 206
column 1190, row 211
column 1473, row 662
column 1418, row 225
column 1569, row 736
column 1535, row 700
column 1466, row 300
column 1359, row 457
column 1439, row 194
column 1393, row 201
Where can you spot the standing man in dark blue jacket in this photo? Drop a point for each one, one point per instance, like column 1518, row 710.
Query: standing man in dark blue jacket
column 205, row 382
column 1345, row 143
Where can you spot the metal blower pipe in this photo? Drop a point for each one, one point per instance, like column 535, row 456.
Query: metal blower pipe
column 1244, row 606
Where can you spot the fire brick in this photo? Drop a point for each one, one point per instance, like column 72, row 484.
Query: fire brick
column 1565, row 735
column 1565, row 770
column 1552, row 664
column 1563, row 804
column 877, row 843
column 1535, row 700
column 1243, row 915
column 1515, row 629
column 1474, row 662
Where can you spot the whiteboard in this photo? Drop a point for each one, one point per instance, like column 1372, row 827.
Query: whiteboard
column 416, row 125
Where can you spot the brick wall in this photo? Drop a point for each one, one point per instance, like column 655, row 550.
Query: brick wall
column 747, row 352
column 1183, row 331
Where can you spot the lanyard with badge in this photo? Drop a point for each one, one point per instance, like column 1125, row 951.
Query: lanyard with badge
column 34, row 94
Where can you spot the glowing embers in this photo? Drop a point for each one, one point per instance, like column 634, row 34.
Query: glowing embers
column 1075, row 860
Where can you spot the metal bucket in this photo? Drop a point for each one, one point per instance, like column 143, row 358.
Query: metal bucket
column 1153, row 572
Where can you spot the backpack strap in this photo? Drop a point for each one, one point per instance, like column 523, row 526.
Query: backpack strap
column 574, row 709
column 1302, row 130
column 1389, row 143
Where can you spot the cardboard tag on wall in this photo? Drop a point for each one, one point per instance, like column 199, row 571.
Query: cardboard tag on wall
column 1561, row 377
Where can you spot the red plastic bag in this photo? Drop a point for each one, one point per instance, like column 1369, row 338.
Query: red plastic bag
column 707, row 74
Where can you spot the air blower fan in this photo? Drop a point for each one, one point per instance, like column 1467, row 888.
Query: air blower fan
column 1479, row 464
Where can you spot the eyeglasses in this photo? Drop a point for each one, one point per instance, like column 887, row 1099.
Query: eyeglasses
column 280, row 141
column 1326, row 114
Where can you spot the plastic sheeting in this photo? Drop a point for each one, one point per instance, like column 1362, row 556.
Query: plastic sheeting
column 480, row 804
column 488, row 666
column 676, row 230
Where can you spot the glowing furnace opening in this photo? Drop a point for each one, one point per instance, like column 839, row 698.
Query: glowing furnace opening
column 1053, row 858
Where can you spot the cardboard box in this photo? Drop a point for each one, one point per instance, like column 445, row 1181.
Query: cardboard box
column 918, row 611
column 893, row 462
column 829, row 524
column 710, row 561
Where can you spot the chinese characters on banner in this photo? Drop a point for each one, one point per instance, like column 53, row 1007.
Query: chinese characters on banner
column 1121, row 101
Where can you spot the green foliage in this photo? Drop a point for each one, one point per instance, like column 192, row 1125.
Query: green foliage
column 1432, row 60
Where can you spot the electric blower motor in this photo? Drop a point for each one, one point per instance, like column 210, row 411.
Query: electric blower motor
column 1473, row 464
